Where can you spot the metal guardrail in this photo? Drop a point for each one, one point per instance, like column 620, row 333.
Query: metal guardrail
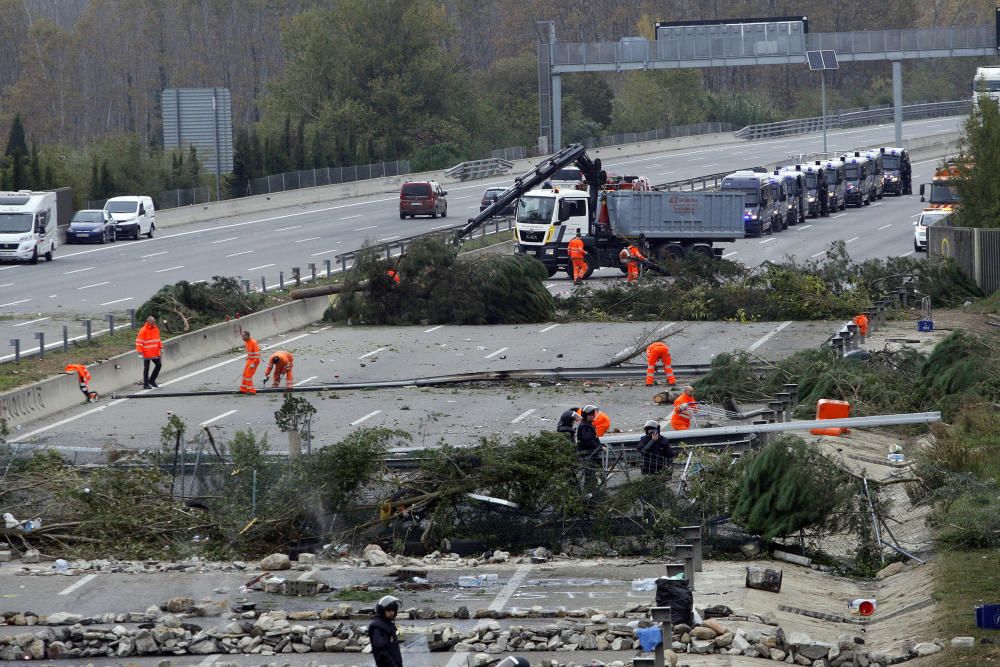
column 852, row 119
column 493, row 166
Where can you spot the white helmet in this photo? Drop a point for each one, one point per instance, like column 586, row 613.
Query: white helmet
column 651, row 424
column 387, row 602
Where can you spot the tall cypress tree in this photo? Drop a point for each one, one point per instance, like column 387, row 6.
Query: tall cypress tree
column 17, row 140
column 36, row 168
column 979, row 184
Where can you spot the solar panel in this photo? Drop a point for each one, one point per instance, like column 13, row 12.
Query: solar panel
column 815, row 60
column 830, row 60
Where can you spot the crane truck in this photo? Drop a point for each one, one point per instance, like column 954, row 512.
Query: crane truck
column 669, row 225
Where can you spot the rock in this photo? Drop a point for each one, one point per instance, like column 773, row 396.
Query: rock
column 210, row 608
column 31, row 556
column 739, row 642
column 889, row 570
column 153, row 612
column 704, row 633
column 797, row 638
column 55, row 651
column 926, row 648
column 724, row 640
column 963, row 642
column 307, row 559
column 179, row 605
column 716, row 611
column 669, row 658
column 374, row 556
column 275, row 562
column 717, row 627
column 36, row 649
column 764, row 579
column 125, row 647
column 777, row 654
column 500, row 557
column 701, row 646
column 309, row 615
column 335, row 645
column 814, row 650
column 750, row 549
column 540, row 555
column 63, row 618
column 204, row 647
column 462, row 613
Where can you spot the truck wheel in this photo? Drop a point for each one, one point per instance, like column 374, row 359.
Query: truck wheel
column 552, row 270
column 34, row 257
column 152, row 228
column 703, row 250
column 48, row 255
column 670, row 252
column 592, row 265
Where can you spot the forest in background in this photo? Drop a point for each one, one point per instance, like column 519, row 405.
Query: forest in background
column 319, row 83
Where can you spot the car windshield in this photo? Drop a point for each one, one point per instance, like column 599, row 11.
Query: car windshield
column 931, row 219
column 11, row 223
column 568, row 174
column 750, row 199
column 987, row 86
column 890, row 162
column 831, row 177
column 944, row 194
column 121, row 207
column 811, row 181
column 87, row 216
column 853, row 172
column 535, row 209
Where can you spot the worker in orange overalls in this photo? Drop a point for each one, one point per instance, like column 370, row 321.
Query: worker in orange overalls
column 862, row 321
column 684, row 407
column 83, row 375
column 602, row 422
column 577, row 256
column 281, row 362
column 392, row 274
column 631, row 257
column 659, row 352
column 149, row 345
column 253, row 361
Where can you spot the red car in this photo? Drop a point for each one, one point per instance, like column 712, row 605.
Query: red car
column 422, row 198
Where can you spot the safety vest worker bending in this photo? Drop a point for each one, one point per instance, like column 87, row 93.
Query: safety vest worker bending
column 83, row 376
column 281, row 363
column 684, row 408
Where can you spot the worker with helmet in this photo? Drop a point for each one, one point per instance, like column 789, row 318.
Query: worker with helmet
column 655, row 449
column 568, row 421
column 632, row 258
column 578, row 258
column 382, row 633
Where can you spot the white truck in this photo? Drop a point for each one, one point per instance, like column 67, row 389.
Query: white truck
column 987, row 82
column 28, row 225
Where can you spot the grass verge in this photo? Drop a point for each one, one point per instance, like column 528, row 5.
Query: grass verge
column 33, row 369
column 964, row 579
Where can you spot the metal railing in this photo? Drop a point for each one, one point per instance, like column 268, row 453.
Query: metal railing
column 492, row 166
column 853, row 119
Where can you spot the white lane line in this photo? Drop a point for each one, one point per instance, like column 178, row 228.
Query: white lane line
column 914, row 215
column 365, row 418
column 441, row 227
column 522, row 416
column 885, row 226
column 308, row 379
column 94, row 285
column 803, row 227
column 231, row 238
column 152, row 255
column 262, row 266
column 40, row 319
column 82, row 581
column 240, row 357
column 89, row 268
column 851, row 240
column 493, row 354
column 361, row 229
column 311, row 238
column 500, row 601
column 768, row 336
column 839, row 215
column 68, row 420
column 14, row 303
column 730, row 254
column 368, row 354
column 7, row 285
column 285, row 229
column 351, row 217
column 171, row 268
column 108, row 303
column 549, row 328
column 907, row 254
column 818, row 254
column 237, row 254
column 217, row 418
column 325, row 252
column 766, row 241
column 388, row 238
column 433, row 329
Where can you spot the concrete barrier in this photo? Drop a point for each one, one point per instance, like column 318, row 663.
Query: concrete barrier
column 53, row 395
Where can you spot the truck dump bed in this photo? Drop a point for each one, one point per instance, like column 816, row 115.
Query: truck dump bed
column 716, row 216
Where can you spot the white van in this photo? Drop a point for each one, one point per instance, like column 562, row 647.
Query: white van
column 133, row 215
column 28, row 223
column 987, row 82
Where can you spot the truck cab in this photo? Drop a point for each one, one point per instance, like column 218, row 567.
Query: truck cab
column 762, row 203
column 836, row 185
column 546, row 219
column 28, row 222
column 817, row 197
column 896, row 171
column 794, row 182
column 859, row 184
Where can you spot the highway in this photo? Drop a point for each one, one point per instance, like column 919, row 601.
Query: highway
column 87, row 281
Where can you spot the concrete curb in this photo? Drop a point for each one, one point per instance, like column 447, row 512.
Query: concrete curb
column 55, row 394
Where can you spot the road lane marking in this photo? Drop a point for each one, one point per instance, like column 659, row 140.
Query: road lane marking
column 803, row 227
column 173, row 268
column 89, row 268
column 40, row 319
column 839, row 215
column 766, row 241
column 7, row 285
column 493, row 354
column 851, row 240
column 907, row 254
column 68, row 420
column 351, row 217
column 308, row 379
column 79, row 583
column 365, row 418
column 768, row 336
column 368, row 354
column 217, row 418
column 325, row 252
column 549, row 328
column 730, row 254
column 361, row 229
column 885, row 226
column 153, row 254
column 94, row 285
column 823, row 252
column 505, row 594
column 263, row 266
column 237, row 254
column 108, row 303
column 311, row 238
column 285, row 229
column 433, row 329
column 522, row 416
column 231, row 238
column 388, row 238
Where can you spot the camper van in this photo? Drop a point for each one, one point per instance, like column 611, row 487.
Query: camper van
column 28, row 222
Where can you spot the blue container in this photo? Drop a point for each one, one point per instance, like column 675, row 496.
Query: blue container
column 925, row 325
column 988, row 616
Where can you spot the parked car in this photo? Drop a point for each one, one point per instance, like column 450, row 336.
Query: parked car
column 422, row 198
column 928, row 219
column 91, row 226
column 133, row 215
column 490, row 196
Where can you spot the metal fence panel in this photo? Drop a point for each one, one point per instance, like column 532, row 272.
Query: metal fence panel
column 957, row 243
column 989, row 262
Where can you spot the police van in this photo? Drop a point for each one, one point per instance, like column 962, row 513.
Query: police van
column 836, row 184
column 859, row 171
column 795, row 191
column 762, row 212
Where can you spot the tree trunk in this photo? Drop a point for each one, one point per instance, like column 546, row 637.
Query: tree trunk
column 294, row 445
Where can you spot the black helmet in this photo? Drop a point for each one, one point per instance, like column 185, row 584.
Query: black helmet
column 385, row 603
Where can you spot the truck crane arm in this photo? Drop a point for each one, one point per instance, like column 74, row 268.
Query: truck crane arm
column 574, row 153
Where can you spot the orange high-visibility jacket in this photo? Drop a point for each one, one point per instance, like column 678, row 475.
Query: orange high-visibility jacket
column 253, row 350
column 862, row 322
column 280, row 360
column 148, row 343
column 392, row 274
column 575, row 249
column 680, row 419
column 80, row 370
column 602, row 422
column 636, row 253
